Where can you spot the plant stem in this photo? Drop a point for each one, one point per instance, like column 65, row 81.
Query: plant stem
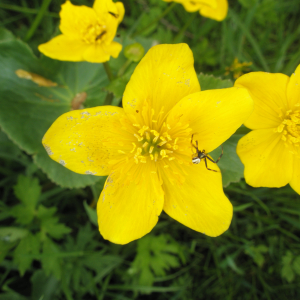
column 186, row 25
column 167, row 10
column 37, row 20
column 108, row 71
column 124, row 67
column 109, row 98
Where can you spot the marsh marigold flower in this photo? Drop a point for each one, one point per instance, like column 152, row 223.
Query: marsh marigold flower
column 271, row 152
column 87, row 33
column 145, row 147
column 213, row 9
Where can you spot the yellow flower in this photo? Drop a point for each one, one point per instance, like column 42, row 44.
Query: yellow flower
column 271, row 152
column 237, row 68
column 87, row 33
column 213, row 9
column 145, row 147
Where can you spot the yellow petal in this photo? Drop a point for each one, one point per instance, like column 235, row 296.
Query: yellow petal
column 192, row 6
column 130, row 203
column 64, row 48
column 295, row 182
column 86, row 141
column 199, row 203
column 268, row 92
column 111, row 14
column 213, row 115
column 268, row 161
column 106, row 9
column 164, row 76
column 293, row 89
column 101, row 52
column 218, row 13
column 74, row 19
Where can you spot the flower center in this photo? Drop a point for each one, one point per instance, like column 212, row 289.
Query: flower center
column 155, row 139
column 290, row 127
column 93, row 33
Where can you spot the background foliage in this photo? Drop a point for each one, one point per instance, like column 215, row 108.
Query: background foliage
column 50, row 247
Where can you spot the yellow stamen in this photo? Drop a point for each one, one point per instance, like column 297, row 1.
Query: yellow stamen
column 134, row 146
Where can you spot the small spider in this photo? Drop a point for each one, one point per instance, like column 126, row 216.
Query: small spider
column 202, row 155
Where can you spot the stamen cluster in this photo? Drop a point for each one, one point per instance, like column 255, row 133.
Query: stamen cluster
column 93, row 33
column 290, row 127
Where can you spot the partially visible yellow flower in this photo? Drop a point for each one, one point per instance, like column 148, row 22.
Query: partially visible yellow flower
column 213, row 9
column 237, row 68
column 271, row 152
column 87, row 33
column 145, row 147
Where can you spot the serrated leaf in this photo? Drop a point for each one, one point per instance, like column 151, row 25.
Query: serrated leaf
column 26, row 251
column 23, row 214
column 209, row 82
column 230, row 164
column 27, row 110
column 155, row 255
column 50, row 224
column 102, row 264
column 50, row 261
column 27, row 190
column 12, row 234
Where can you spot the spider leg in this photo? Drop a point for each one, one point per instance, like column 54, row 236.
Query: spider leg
column 220, row 155
column 206, row 164
column 193, row 144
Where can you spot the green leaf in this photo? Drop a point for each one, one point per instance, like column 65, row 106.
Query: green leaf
column 296, row 265
column 256, row 252
column 231, row 166
column 92, row 214
column 6, row 35
column 287, row 271
column 26, row 251
column 12, row 234
column 102, row 264
column 43, row 287
column 27, row 110
column 209, row 82
column 49, row 223
column 28, row 190
column 231, row 263
column 4, row 248
column 8, row 148
column 117, row 86
column 155, row 255
column 50, row 261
